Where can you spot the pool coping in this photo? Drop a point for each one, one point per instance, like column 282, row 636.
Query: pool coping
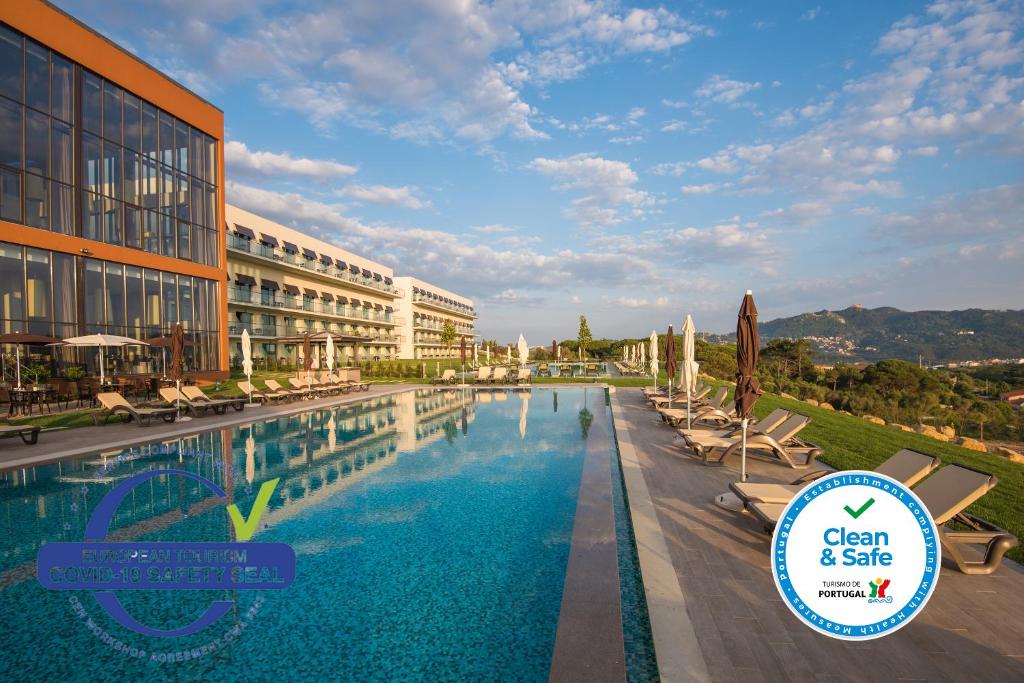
column 176, row 430
column 675, row 639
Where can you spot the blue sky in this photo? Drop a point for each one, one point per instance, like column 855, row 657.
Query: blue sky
column 633, row 162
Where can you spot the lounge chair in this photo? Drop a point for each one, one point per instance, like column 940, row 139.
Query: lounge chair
column 446, row 377
column 906, row 466
column 695, row 399
column 196, row 395
column 349, row 384
column 523, row 375
column 114, row 403
column 780, row 442
column 500, row 375
column 274, row 385
column 543, row 370
column 262, row 395
column 28, row 433
column 946, row 494
column 762, row 426
column 308, row 388
column 672, row 415
column 483, row 374
column 662, row 391
column 171, row 397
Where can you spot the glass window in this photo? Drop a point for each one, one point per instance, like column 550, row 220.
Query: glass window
column 37, row 143
column 94, row 318
column 62, row 88
column 61, row 152
column 62, row 208
column 132, row 122
column 197, row 145
column 196, row 194
column 11, row 63
column 92, row 178
column 10, row 195
column 36, row 213
column 92, row 216
column 132, row 227
column 112, row 222
column 185, row 301
column 65, row 301
column 181, row 197
column 169, row 299
column 37, row 290
column 111, row 112
column 166, row 190
column 12, row 310
column 211, row 160
column 91, row 98
column 149, row 193
column 168, row 236
column 198, row 244
column 11, row 116
column 37, row 76
column 166, row 148
column 151, row 232
column 211, row 209
column 181, row 146
column 152, row 278
column 132, row 173
column 112, row 176
column 115, row 298
column 184, row 236
column 134, row 302
column 212, row 247
column 149, row 130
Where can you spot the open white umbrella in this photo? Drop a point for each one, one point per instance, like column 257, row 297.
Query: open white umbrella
column 688, row 373
column 524, row 351
column 102, row 341
column 247, row 361
column 654, row 357
column 330, row 353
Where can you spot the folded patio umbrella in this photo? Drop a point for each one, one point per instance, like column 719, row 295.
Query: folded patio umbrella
column 688, row 376
column 670, row 358
column 524, row 351
column 307, row 358
column 748, row 389
column 654, row 357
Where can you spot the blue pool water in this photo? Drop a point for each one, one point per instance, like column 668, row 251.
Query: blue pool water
column 431, row 531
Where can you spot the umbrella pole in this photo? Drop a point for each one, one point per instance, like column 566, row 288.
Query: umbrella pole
column 689, row 413
column 17, row 363
column 743, row 452
column 248, row 380
column 102, row 377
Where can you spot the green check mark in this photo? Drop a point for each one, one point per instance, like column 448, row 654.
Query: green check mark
column 859, row 511
column 246, row 527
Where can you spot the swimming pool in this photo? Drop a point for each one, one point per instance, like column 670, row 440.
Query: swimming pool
column 431, row 530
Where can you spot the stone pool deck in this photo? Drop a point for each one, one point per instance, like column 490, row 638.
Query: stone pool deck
column 715, row 611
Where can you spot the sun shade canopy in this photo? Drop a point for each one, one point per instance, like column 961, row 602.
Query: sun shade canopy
column 245, row 232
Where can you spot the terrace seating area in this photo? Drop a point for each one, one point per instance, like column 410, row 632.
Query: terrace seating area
column 718, row 532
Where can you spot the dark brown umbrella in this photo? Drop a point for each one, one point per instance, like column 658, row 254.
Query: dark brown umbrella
column 670, row 356
column 177, row 353
column 748, row 389
column 554, row 349
column 165, row 341
column 307, row 354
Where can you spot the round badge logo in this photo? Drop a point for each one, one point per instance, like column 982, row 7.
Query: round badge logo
column 856, row 555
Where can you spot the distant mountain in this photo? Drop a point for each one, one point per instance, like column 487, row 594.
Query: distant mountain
column 868, row 334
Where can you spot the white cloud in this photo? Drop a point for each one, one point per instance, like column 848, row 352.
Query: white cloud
column 706, row 188
column 243, row 161
column 493, row 229
column 675, row 168
column 674, row 104
column 723, row 90
column 992, row 213
column 383, row 195
column 673, row 126
column 626, row 139
column 811, row 14
column 608, row 185
column 927, row 151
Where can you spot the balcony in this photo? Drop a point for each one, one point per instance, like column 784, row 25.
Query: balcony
column 442, row 305
column 257, row 331
column 431, row 325
column 307, row 266
column 264, row 299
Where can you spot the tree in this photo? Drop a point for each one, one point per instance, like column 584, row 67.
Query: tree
column 448, row 336
column 583, row 337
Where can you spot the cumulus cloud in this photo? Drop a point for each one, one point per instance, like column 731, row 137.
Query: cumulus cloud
column 992, row 213
column 383, row 195
column 608, row 186
column 706, row 188
column 243, row 161
column 724, row 90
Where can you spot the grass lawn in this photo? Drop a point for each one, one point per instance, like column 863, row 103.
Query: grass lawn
column 853, row 443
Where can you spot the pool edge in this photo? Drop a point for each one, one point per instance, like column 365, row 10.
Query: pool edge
column 675, row 639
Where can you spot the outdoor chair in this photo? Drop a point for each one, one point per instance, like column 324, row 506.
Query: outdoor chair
column 780, row 442
column 523, row 375
column 483, row 374
column 500, row 375
column 274, row 385
column 114, row 404
column 196, row 395
column 696, row 398
column 262, row 395
column 668, row 414
column 446, row 377
column 28, row 433
column 754, row 426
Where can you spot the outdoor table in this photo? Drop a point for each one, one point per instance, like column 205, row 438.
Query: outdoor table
column 29, row 396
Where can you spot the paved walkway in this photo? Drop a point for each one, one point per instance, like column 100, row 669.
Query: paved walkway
column 68, row 443
column 971, row 630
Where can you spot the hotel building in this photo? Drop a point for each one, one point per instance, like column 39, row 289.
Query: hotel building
column 284, row 284
column 423, row 312
column 111, row 195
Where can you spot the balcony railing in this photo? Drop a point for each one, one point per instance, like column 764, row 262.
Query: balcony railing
column 263, row 297
column 430, row 325
column 275, row 331
column 281, row 256
column 458, row 308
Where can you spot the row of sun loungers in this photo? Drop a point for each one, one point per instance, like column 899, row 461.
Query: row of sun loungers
column 298, row 388
column 500, row 375
column 947, row 491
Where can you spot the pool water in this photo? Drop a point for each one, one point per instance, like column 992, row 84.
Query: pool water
column 431, row 531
